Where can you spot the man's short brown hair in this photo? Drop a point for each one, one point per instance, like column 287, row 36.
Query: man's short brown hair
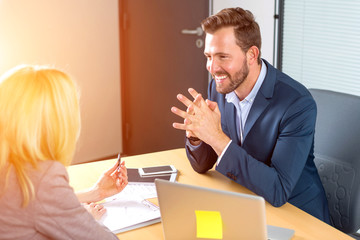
column 246, row 29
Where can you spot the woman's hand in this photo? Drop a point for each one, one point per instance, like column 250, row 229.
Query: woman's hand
column 96, row 210
column 112, row 181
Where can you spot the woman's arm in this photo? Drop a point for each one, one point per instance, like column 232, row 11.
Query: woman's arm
column 110, row 183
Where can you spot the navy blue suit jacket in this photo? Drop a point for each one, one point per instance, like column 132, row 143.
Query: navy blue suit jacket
column 276, row 158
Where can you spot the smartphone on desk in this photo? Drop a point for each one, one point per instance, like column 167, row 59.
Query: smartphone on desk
column 157, row 170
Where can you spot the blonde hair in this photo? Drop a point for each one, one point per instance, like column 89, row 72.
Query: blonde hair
column 39, row 121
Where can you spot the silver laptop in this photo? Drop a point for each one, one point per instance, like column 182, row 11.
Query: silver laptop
column 192, row 212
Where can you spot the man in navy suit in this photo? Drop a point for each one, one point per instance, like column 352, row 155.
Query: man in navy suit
column 257, row 124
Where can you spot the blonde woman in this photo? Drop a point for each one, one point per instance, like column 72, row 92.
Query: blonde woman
column 39, row 128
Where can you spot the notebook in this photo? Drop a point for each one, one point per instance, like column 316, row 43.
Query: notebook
column 192, row 212
column 135, row 206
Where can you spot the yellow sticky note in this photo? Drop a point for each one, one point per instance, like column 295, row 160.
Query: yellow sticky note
column 209, row 224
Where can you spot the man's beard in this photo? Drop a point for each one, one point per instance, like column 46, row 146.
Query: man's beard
column 235, row 81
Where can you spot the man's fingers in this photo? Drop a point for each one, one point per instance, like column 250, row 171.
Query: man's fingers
column 187, row 121
column 188, row 133
column 199, row 100
column 183, row 99
column 190, row 109
column 183, row 126
column 179, row 112
column 212, row 105
column 193, row 92
column 180, row 126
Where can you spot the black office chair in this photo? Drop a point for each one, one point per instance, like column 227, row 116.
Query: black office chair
column 337, row 155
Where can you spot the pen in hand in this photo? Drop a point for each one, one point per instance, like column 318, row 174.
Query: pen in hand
column 118, row 169
column 118, row 160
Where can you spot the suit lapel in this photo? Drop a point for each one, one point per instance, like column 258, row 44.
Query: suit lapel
column 230, row 113
column 257, row 109
column 262, row 98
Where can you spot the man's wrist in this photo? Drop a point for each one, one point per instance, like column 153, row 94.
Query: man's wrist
column 219, row 142
column 194, row 140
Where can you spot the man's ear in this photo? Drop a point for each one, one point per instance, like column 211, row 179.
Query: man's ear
column 252, row 55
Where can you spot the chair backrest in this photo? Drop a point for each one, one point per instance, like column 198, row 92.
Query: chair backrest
column 337, row 155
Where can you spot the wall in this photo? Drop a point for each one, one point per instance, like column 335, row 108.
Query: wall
column 263, row 11
column 82, row 38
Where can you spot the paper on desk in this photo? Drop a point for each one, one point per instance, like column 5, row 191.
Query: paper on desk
column 136, row 190
column 129, row 209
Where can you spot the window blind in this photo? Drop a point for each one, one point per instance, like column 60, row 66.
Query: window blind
column 321, row 44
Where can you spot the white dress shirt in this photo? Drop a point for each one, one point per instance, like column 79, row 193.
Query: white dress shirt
column 243, row 107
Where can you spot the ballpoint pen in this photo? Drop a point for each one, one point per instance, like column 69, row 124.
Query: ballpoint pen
column 118, row 162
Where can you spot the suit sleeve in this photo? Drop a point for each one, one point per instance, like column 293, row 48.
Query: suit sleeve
column 275, row 181
column 59, row 214
column 202, row 158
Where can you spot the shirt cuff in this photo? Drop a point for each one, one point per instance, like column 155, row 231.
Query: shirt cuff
column 221, row 155
column 192, row 147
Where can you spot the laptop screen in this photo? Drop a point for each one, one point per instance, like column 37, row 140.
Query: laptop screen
column 191, row 212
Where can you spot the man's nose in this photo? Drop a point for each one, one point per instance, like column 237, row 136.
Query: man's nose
column 212, row 66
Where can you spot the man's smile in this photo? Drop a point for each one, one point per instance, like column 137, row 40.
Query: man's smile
column 220, row 78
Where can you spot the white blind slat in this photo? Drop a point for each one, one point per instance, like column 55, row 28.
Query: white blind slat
column 321, row 44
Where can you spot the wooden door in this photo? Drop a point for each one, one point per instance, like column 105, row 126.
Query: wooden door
column 161, row 56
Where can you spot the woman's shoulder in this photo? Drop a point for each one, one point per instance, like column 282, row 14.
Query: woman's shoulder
column 51, row 165
column 48, row 169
